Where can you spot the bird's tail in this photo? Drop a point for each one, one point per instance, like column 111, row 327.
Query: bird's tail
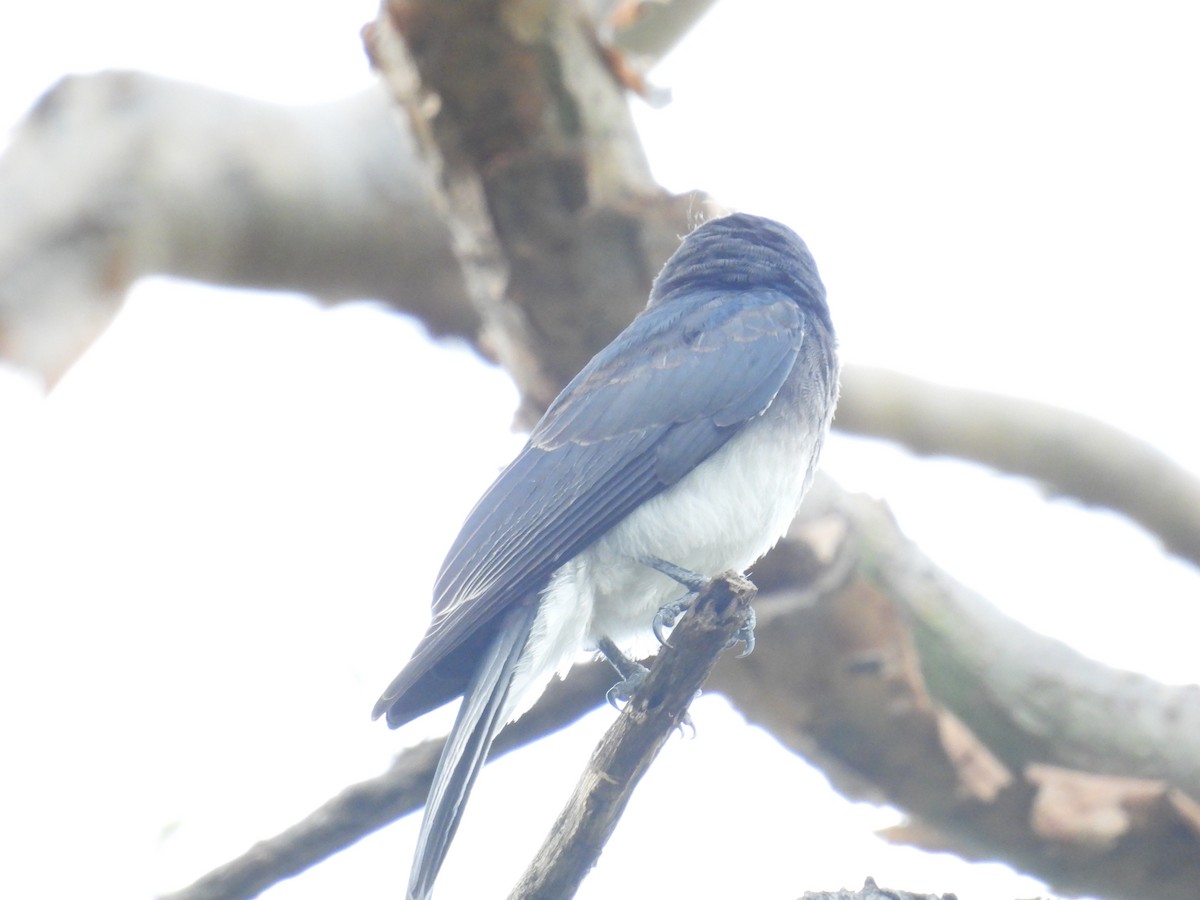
column 480, row 718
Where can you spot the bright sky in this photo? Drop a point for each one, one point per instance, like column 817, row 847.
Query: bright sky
column 219, row 531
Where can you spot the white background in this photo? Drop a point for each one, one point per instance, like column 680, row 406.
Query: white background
column 217, row 535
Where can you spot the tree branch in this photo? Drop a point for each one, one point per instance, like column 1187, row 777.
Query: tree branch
column 622, row 757
column 657, row 709
column 1069, row 453
column 904, row 687
column 119, row 175
column 369, row 805
column 646, row 31
column 546, row 183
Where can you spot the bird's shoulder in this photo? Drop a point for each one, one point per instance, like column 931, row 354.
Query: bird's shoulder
column 719, row 354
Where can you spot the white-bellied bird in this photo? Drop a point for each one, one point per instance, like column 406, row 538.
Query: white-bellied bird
column 681, row 451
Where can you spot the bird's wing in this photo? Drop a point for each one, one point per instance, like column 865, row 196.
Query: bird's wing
column 648, row 409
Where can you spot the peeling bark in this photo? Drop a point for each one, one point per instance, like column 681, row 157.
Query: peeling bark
column 553, row 207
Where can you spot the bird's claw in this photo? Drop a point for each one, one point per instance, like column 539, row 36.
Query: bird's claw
column 685, row 722
column 623, row 690
column 669, row 615
column 745, row 634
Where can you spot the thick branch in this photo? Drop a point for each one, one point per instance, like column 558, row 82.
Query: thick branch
column 121, row 174
column 545, row 180
column 907, row 687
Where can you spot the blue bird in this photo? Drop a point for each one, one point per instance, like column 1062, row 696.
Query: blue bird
column 685, row 445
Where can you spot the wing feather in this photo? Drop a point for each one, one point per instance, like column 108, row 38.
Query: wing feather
column 643, row 413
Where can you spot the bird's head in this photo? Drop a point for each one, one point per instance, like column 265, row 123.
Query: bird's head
column 743, row 252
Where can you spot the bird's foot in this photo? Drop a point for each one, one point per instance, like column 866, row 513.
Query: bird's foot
column 669, row 615
column 745, row 634
column 694, row 582
column 623, row 690
column 685, row 722
column 632, row 673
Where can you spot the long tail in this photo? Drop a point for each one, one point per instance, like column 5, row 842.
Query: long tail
column 480, row 719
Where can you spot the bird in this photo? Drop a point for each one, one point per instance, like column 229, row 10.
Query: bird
column 681, row 451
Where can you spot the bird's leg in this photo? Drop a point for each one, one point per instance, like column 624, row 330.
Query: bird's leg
column 632, row 673
column 669, row 614
column 694, row 582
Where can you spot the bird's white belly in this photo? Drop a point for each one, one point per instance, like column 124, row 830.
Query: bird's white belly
column 723, row 515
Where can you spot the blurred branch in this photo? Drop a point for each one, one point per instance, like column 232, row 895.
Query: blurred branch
column 119, row 175
column 904, row 687
column 369, row 805
column 646, row 29
column 355, row 812
column 848, row 595
column 1069, row 453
